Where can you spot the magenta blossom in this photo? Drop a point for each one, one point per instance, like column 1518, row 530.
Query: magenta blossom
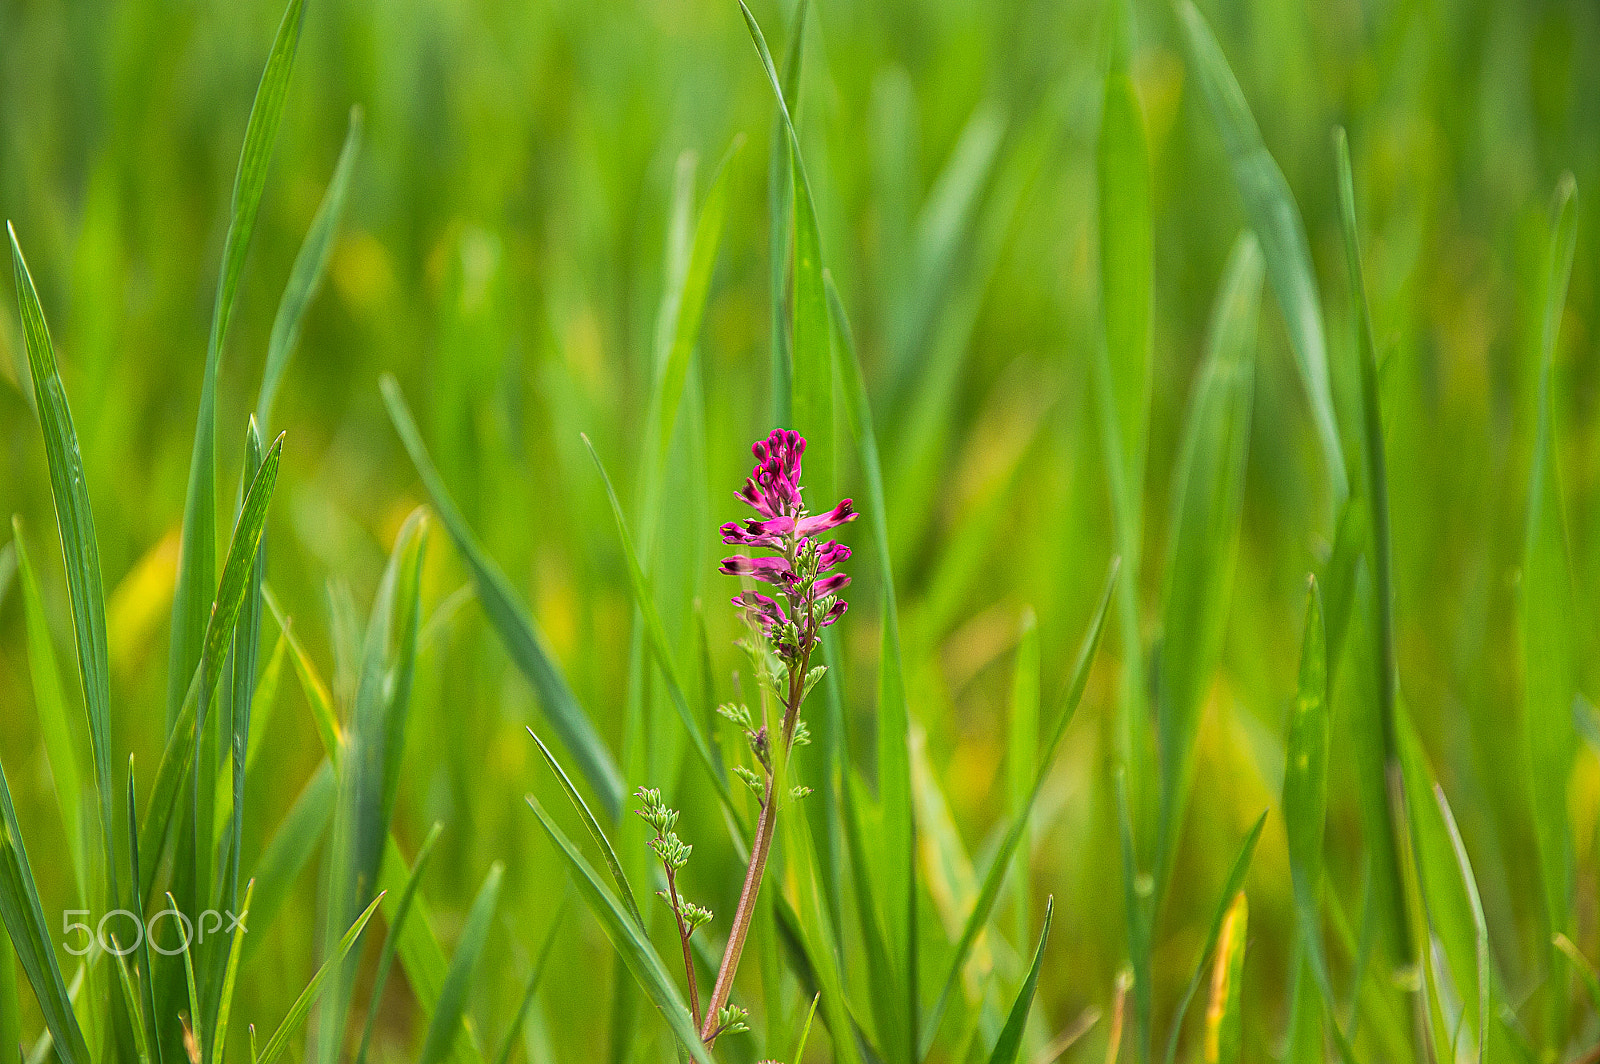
column 797, row 568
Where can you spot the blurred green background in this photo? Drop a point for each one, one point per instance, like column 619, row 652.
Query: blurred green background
column 502, row 254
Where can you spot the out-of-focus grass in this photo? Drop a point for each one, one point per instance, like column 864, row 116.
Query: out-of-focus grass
column 514, row 218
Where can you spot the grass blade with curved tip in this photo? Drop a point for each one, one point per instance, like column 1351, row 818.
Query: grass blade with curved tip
column 80, row 551
column 1305, row 802
column 1010, row 1043
column 1235, row 884
column 1480, row 926
column 994, row 879
column 532, row 986
column 658, row 639
column 152, row 1035
column 1224, row 1034
column 392, row 939
column 197, row 559
column 512, row 622
column 1549, row 649
column 302, row 1004
column 445, row 1024
column 52, row 706
column 1207, row 503
column 1275, row 217
column 219, row 1037
column 593, row 827
column 30, row 937
column 630, row 942
column 305, row 277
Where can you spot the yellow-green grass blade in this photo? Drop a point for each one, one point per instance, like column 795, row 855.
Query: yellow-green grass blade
column 50, row 699
column 514, row 625
column 1480, row 925
column 531, row 987
column 1121, row 363
column 198, row 553
column 391, row 940
column 289, row 850
column 10, row 1009
column 1550, row 661
column 780, row 203
column 444, row 1026
column 1022, row 759
column 80, row 551
column 146, row 1013
column 369, row 767
column 230, row 977
column 989, row 893
column 302, row 1005
column 1009, row 1046
column 592, row 826
column 1305, row 805
column 1224, row 1033
column 811, row 354
column 30, row 936
column 1372, row 608
column 1235, row 884
column 657, row 635
column 629, row 940
column 1275, row 217
column 1207, row 498
column 305, row 277
column 898, row 849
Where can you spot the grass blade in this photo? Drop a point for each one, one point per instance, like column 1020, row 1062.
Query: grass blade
column 1021, row 760
column 392, row 940
column 1275, row 217
column 780, row 202
column 1480, row 926
column 1010, row 1043
column 198, row 558
column 305, row 277
column 448, row 1015
column 593, row 827
column 1208, row 494
column 75, row 521
column 514, row 625
column 302, row 1004
column 1224, row 1018
column 630, row 941
column 994, row 879
column 30, row 936
column 1231, row 890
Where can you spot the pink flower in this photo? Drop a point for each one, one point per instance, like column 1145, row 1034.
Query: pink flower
column 799, row 559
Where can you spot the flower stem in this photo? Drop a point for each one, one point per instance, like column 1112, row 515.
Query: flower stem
column 683, row 938
column 759, row 851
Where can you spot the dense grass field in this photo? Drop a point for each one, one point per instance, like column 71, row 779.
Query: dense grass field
column 1214, row 386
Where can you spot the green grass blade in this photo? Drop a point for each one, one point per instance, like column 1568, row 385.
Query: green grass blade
column 53, row 724
column 629, row 940
column 812, row 354
column 1009, row 1046
column 531, row 987
column 1208, row 495
column 1550, row 671
column 780, row 203
column 229, row 978
column 391, row 940
column 887, row 1008
column 593, row 827
column 10, row 1010
column 302, row 1004
column 1022, row 759
column 1275, row 217
column 369, row 768
column 989, row 893
column 289, row 850
column 30, row 937
column 1480, row 925
column 151, row 1032
column 513, row 624
column 75, row 521
column 198, row 558
column 305, row 277
column 445, row 1024
column 1235, row 884
column 659, row 646
column 1121, row 364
